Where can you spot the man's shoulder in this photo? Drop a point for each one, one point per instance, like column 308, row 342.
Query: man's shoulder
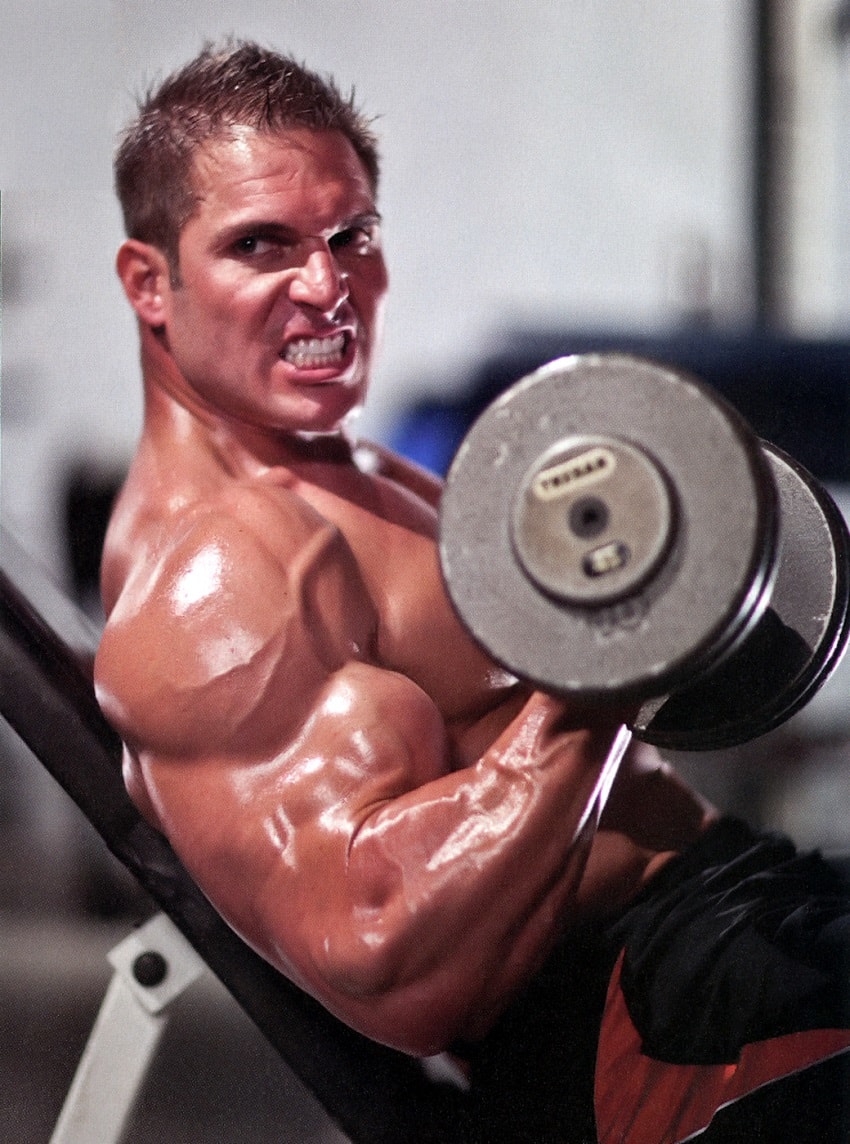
column 408, row 474
column 251, row 585
column 159, row 533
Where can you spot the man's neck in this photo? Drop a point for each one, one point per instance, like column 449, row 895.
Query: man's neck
column 169, row 400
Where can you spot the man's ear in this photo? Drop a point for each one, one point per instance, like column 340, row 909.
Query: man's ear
column 145, row 276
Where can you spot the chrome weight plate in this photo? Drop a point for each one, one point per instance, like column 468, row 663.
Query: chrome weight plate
column 607, row 528
column 795, row 646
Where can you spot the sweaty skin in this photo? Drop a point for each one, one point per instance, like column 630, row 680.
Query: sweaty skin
column 385, row 815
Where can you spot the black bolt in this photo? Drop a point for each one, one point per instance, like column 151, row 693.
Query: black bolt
column 588, row 516
column 150, row 968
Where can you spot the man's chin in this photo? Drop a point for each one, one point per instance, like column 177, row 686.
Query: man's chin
column 325, row 409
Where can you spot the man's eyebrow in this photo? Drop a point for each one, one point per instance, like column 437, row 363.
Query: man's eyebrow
column 366, row 218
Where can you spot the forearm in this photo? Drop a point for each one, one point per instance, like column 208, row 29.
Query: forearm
column 652, row 814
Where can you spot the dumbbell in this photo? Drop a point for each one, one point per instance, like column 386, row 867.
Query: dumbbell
column 613, row 531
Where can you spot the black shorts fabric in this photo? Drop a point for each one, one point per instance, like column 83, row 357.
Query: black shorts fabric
column 739, row 939
column 728, row 1014
column 716, row 1009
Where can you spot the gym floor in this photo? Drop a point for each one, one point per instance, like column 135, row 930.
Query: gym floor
column 214, row 1078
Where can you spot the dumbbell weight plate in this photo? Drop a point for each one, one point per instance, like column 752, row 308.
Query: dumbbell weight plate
column 593, row 519
column 796, row 644
column 664, row 595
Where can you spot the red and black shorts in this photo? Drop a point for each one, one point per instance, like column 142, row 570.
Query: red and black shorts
column 727, row 1016
column 716, row 1009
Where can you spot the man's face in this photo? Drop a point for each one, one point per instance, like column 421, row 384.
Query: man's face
column 278, row 309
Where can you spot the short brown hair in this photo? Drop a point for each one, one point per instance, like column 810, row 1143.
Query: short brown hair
column 237, row 84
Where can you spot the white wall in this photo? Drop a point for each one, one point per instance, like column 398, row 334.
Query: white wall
column 545, row 161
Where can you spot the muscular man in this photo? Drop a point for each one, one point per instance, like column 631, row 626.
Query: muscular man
column 386, row 816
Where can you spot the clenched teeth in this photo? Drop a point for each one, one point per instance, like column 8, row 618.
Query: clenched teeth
column 310, row 353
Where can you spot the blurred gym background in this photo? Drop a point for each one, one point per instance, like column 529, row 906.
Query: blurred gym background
column 557, row 176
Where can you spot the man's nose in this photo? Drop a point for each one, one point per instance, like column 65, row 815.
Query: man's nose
column 319, row 282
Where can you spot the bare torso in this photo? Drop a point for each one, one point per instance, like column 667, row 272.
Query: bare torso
column 299, row 683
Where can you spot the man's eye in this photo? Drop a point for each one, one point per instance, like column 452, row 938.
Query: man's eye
column 254, row 244
column 357, row 239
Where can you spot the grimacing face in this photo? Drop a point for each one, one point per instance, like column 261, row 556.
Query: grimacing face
column 278, row 310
